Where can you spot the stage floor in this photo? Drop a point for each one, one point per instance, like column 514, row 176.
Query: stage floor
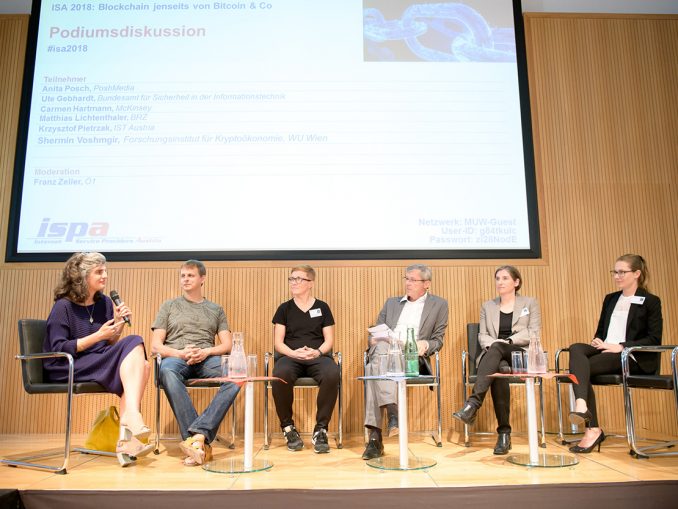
column 457, row 466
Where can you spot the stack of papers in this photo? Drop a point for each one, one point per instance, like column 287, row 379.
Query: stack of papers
column 381, row 332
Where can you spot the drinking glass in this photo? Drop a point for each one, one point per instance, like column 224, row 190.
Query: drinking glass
column 251, row 365
column 517, row 362
column 224, row 365
column 380, row 361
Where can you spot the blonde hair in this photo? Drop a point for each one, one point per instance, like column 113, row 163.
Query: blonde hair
column 73, row 282
column 305, row 268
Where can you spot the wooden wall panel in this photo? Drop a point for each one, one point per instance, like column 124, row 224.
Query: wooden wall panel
column 605, row 116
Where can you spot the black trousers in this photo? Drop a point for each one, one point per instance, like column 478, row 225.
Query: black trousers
column 323, row 370
column 587, row 361
column 500, row 389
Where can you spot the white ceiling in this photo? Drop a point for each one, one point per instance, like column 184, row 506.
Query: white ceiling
column 618, row 6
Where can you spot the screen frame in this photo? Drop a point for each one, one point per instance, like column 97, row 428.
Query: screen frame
column 534, row 252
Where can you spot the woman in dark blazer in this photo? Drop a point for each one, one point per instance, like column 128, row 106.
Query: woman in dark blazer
column 630, row 317
column 506, row 323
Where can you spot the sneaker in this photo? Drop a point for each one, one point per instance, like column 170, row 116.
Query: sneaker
column 374, row 449
column 294, row 442
column 320, row 444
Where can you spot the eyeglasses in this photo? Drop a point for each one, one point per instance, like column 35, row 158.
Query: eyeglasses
column 296, row 280
column 411, row 280
column 620, row 273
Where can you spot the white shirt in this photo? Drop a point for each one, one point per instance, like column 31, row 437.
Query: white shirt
column 616, row 332
column 410, row 317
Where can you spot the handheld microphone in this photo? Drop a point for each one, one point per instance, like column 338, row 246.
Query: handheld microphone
column 116, row 300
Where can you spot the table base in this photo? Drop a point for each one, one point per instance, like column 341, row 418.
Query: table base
column 393, row 463
column 544, row 460
column 236, row 466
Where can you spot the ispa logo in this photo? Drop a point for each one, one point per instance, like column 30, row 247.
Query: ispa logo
column 71, row 230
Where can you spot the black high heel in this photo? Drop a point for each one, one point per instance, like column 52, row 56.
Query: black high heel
column 581, row 417
column 586, row 450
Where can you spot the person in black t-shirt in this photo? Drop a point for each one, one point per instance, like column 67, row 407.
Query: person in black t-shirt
column 304, row 337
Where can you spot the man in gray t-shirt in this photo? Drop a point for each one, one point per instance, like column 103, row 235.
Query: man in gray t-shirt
column 184, row 334
column 190, row 323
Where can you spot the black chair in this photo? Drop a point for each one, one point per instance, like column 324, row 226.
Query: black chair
column 31, row 337
column 424, row 382
column 190, row 384
column 600, row 380
column 303, row 383
column 652, row 382
column 469, row 377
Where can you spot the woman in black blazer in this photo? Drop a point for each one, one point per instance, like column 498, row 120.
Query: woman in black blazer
column 630, row 317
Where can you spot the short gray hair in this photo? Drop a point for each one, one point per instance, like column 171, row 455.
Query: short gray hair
column 425, row 270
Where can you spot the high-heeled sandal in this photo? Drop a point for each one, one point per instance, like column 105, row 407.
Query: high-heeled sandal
column 581, row 417
column 141, row 432
column 195, row 449
column 129, row 448
column 585, row 450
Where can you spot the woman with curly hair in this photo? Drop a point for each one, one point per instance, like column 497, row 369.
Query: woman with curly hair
column 86, row 324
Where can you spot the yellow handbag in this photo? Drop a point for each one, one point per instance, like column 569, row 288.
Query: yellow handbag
column 105, row 431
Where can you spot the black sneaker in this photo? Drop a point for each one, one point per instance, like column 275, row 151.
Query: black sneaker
column 294, row 442
column 320, row 445
column 374, row 449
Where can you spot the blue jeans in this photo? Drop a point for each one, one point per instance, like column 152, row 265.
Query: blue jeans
column 173, row 373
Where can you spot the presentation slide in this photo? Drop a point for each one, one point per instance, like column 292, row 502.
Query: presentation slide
column 275, row 127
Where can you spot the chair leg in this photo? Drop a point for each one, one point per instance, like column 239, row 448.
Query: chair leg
column 439, row 441
column 340, row 441
column 467, row 434
column 26, row 461
column 340, row 433
column 230, row 443
column 157, row 420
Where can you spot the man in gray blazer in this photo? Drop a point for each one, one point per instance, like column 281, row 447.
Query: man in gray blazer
column 427, row 314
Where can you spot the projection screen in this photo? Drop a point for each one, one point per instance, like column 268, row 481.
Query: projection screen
column 276, row 129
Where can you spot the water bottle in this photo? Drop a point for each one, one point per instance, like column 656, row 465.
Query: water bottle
column 237, row 364
column 395, row 364
column 411, row 354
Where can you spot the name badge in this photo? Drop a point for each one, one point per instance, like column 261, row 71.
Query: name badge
column 315, row 312
column 637, row 299
column 524, row 312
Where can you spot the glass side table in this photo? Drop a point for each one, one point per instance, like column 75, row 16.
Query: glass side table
column 247, row 463
column 404, row 461
column 537, row 458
